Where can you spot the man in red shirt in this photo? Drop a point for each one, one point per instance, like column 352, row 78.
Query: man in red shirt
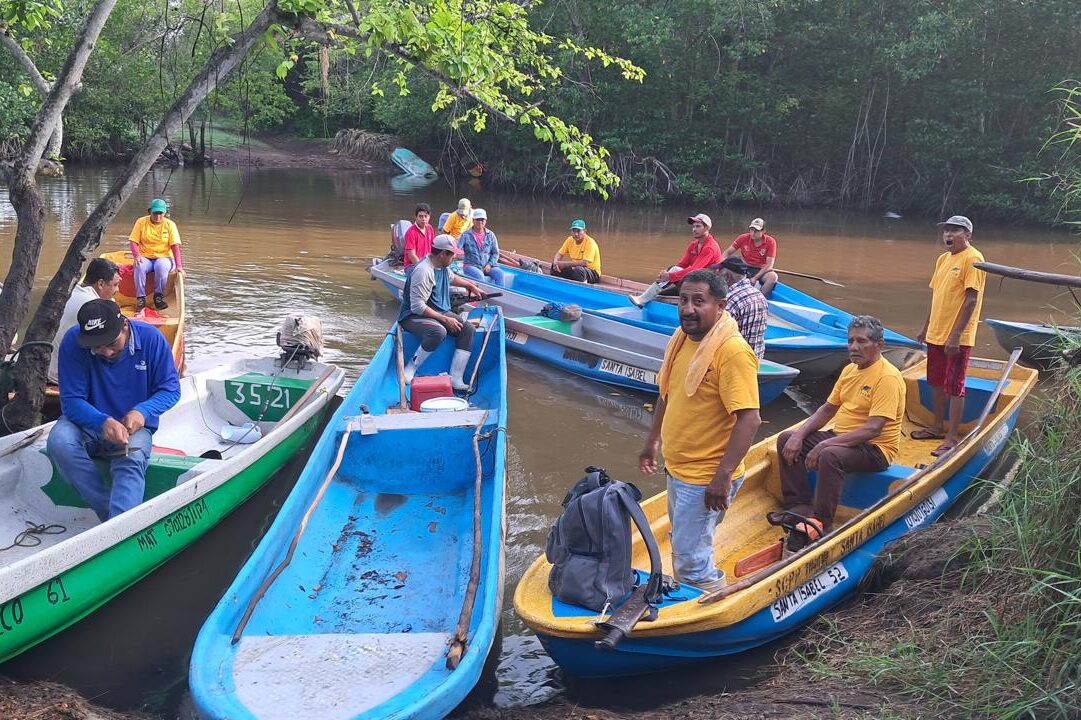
column 702, row 252
column 419, row 236
column 758, row 250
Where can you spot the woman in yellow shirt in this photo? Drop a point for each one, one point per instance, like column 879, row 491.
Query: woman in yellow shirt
column 155, row 245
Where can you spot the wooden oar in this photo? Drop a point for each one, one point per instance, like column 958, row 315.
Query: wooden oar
column 403, row 406
column 908, row 483
column 461, row 632
column 304, row 398
column 809, row 277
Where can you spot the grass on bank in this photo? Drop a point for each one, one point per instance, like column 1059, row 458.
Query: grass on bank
column 999, row 633
column 221, row 138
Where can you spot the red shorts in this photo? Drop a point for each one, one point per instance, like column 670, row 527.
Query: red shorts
column 947, row 371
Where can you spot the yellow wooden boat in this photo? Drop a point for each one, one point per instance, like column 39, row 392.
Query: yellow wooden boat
column 876, row 508
column 169, row 321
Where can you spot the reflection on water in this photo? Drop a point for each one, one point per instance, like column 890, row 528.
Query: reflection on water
column 261, row 244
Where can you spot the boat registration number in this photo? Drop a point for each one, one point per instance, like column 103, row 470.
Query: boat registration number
column 628, row 371
column 817, row 586
column 917, row 515
column 517, row 337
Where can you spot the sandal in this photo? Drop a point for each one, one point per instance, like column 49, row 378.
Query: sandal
column 926, row 434
column 942, row 450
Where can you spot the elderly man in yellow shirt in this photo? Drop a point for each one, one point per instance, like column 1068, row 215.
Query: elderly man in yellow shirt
column 460, row 219
column 950, row 329
column 865, row 407
column 705, row 421
column 578, row 258
column 155, row 245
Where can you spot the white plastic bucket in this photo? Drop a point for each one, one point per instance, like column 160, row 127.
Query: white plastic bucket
column 444, row 404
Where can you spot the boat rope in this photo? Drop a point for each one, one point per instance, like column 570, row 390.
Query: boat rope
column 350, row 427
column 31, row 536
column 461, row 632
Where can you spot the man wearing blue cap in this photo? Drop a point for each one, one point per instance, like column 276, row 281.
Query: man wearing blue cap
column 578, row 258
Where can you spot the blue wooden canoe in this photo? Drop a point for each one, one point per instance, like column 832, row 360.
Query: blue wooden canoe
column 594, row 346
column 410, row 164
column 358, row 624
column 803, row 332
column 875, row 509
column 1041, row 343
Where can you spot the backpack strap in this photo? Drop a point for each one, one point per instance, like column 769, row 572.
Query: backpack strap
column 653, row 585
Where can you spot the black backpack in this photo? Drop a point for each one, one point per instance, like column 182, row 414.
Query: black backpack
column 589, row 544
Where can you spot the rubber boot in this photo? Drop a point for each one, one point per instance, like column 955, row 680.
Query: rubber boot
column 457, row 370
column 418, row 359
column 648, row 294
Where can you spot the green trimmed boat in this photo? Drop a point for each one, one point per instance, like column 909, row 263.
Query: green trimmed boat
column 232, row 429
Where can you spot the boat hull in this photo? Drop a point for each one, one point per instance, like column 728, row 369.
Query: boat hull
column 1041, row 345
column 377, row 583
column 134, row 544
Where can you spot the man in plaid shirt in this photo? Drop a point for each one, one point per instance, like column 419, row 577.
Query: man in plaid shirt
column 745, row 303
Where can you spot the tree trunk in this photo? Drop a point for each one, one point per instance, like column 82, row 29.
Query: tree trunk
column 23, row 191
column 32, row 366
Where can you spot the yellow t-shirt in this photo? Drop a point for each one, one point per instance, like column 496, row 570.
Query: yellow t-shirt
column 153, row 240
column 879, row 391
column 586, row 250
column 954, row 273
column 456, row 224
column 695, row 430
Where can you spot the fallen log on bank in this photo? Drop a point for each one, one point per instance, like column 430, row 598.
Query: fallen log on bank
column 1072, row 281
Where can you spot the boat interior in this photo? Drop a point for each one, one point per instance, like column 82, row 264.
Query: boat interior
column 169, row 321
column 209, row 425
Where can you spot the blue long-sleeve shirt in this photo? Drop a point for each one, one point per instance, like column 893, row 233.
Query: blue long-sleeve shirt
column 143, row 377
column 486, row 254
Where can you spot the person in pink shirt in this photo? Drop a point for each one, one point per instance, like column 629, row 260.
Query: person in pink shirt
column 702, row 252
column 419, row 236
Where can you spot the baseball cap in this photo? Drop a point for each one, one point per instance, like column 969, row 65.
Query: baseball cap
column 757, row 224
column 480, row 214
column 702, row 218
column 736, row 265
column 464, row 206
column 446, row 242
column 959, row 221
column 158, row 205
column 100, row 322
column 578, row 225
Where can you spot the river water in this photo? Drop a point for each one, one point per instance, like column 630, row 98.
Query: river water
column 259, row 244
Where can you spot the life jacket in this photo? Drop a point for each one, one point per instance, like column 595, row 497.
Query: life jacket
column 589, row 544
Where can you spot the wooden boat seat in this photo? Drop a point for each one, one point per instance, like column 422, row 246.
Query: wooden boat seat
column 164, row 472
column 862, row 490
column 977, row 392
column 371, row 424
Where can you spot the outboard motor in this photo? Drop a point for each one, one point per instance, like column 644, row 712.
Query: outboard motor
column 301, row 340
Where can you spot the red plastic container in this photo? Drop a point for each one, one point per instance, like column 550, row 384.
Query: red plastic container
column 423, row 388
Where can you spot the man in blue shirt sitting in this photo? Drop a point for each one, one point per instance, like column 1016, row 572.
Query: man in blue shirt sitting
column 117, row 377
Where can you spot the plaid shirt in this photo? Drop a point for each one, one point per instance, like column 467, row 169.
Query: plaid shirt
column 748, row 306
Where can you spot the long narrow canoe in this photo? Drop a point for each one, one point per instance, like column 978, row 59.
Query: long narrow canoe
column 803, row 332
column 81, row 563
column 594, row 347
column 875, row 509
column 1041, row 344
column 169, row 321
column 357, row 625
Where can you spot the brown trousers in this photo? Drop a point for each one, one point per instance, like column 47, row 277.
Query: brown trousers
column 833, row 463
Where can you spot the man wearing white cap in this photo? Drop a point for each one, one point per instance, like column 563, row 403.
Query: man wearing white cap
column 758, row 250
column 426, row 310
column 950, row 329
column 702, row 252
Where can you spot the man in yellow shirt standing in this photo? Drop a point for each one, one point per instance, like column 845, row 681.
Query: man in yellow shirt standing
column 705, row 420
column 866, row 407
column 155, row 245
column 950, row 329
column 578, row 258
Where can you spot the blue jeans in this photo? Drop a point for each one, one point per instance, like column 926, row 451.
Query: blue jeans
column 161, row 266
column 692, row 530
column 72, row 449
column 495, row 275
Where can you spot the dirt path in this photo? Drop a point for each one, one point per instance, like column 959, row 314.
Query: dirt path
column 284, row 151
